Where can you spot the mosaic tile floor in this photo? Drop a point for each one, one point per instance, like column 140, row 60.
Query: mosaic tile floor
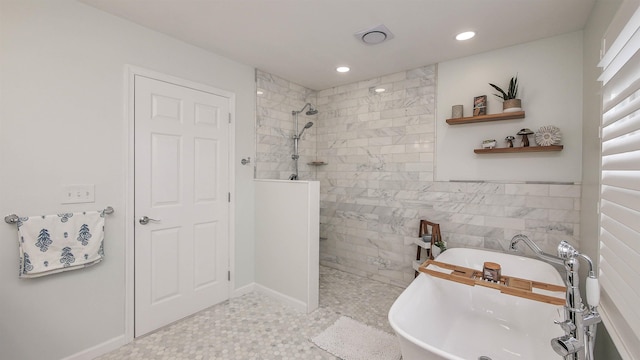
column 255, row 326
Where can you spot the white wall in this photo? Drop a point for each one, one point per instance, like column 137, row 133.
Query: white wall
column 62, row 122
column 550, row 76
column 287, row 241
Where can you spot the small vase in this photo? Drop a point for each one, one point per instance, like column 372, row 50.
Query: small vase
column 456, row 111
column 512, row 105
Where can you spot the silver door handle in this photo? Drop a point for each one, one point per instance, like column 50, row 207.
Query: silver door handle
column 145, row 220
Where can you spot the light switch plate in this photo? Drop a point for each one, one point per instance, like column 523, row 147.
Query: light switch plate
column 75, row 194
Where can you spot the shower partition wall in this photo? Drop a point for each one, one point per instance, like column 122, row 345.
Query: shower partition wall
column 288, row 228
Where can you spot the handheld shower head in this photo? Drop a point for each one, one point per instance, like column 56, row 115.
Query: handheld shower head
column 306, row 126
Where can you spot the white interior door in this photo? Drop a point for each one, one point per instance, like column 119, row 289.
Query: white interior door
column 181, row 187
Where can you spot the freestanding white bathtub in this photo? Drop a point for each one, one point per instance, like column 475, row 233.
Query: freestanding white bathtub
column 440, row 319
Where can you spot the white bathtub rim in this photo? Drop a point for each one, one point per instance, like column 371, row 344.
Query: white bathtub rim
column 557, row 279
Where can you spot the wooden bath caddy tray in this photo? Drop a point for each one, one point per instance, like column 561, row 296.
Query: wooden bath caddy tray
column 507, row 285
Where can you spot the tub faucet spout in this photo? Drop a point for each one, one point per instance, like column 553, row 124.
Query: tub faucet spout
column 539, row 253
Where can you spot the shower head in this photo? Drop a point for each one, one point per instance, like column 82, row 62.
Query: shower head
column 312, row 110
column 306, row 126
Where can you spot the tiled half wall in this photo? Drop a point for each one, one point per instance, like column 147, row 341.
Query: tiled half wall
column 379, row 178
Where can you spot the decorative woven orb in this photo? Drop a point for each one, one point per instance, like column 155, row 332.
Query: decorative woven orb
column 548, row 135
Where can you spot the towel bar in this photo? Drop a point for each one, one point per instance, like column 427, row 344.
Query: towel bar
column 13, row 218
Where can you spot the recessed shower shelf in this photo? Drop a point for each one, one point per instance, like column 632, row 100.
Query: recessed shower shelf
column 317, row 163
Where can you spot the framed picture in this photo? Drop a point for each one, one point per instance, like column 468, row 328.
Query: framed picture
column 480, row 105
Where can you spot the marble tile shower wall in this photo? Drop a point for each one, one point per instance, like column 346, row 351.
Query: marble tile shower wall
column 379, row 181
column 378, row 147
column 275, row 128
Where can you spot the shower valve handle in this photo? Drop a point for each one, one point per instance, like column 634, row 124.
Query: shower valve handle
column 566, row 325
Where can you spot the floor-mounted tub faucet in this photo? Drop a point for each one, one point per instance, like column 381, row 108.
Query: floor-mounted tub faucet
column 580, row 322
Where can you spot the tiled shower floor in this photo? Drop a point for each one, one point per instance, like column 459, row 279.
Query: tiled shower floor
column 254, row 326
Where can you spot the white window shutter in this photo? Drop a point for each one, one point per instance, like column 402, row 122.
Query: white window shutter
column 619, row 262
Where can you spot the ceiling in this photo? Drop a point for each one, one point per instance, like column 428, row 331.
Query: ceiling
column 303, row 41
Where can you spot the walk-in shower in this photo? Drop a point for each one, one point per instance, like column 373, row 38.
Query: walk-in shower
column 296, row 135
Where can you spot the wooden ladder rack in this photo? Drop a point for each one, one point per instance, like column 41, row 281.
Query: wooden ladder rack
column 435, row 236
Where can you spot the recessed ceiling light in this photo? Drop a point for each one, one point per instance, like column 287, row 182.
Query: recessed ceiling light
column 259, row 92
column 380, row 90
column 465, row 35
column 342, row 69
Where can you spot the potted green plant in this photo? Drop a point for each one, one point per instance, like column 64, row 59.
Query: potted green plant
column 439, row 246
column 510, row 103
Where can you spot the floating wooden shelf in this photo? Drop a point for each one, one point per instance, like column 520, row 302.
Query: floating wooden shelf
column 507, row 285
column 519, row 149
column 317, row 163
column 485, row 118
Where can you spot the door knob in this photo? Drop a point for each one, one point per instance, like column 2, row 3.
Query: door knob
column 145, row 220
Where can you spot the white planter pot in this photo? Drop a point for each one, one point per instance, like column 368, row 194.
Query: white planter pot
column 512, row 105
column 435, row 251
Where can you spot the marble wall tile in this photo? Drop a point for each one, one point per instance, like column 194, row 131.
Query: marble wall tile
column 504, row 222
column 527, row 189
column 544, row 202
column 565, row 190
column 275, row 127
column 527, row 213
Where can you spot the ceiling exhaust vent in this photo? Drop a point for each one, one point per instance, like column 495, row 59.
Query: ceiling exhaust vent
column 374, row 35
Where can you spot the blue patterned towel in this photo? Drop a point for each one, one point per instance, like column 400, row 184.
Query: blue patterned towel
column 51, row 244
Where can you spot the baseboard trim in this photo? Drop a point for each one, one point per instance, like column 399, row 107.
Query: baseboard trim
column 243, row 290
column 286, row 299
column 98, row 350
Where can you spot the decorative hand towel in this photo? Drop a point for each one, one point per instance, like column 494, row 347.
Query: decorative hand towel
column 51, row 244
